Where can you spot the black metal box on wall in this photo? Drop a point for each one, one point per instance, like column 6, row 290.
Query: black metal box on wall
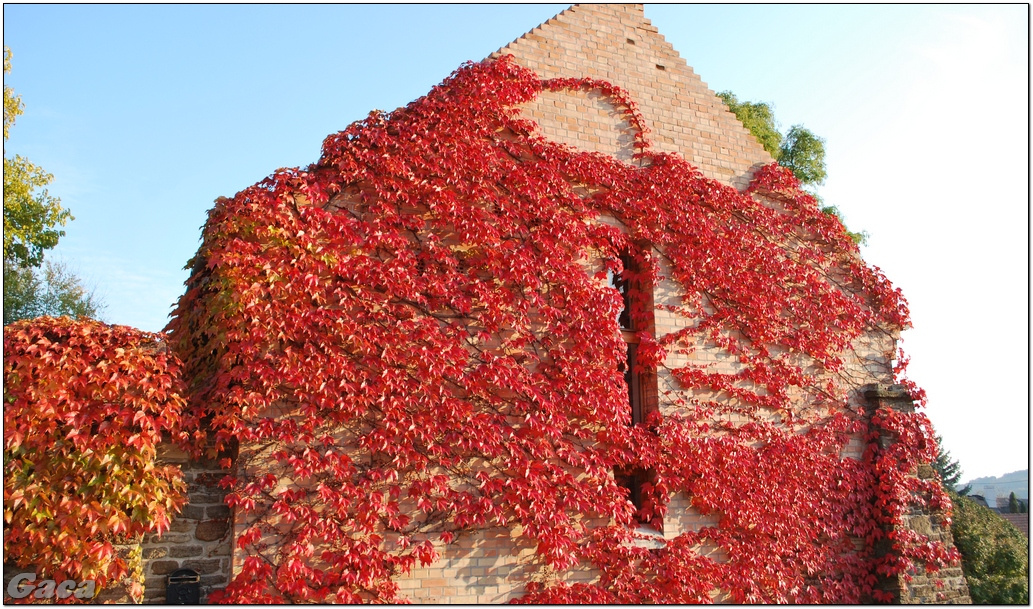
column 184, row 588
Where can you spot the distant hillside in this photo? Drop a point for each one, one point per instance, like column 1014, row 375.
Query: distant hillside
column 992, row 487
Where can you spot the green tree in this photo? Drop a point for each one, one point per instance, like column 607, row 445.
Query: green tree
column 994, row 554
column 31, row 215
column 803, row 153
column 31, row 221
column 758, row 118
column 51, row 290
column 1013, row 503
column 949, row 469
column 799, row 150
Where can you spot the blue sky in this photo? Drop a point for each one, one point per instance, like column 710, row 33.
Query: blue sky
column 145, row 114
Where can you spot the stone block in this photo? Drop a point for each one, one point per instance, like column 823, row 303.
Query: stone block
column 215, row 579
column 156, row 552
column 180, row 525
column 204, row 567
column 163, row 567
column 192, row 512
column 217, row 511
column 171, row 538
column 185, row 551
column 215, row 498
column 210, row 530
column 154, row 593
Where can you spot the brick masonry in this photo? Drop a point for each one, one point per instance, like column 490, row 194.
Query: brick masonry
column 618, row 44
column 615, row 42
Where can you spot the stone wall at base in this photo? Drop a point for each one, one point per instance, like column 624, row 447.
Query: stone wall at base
column 199, row 537
column 923, row 588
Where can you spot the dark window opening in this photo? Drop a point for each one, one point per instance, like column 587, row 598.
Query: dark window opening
column 633, row 479
column 622, row 283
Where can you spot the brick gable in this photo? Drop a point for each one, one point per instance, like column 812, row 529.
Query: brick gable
column 615, row 42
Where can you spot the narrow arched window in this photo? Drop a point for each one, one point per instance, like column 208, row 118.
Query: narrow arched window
column 627, row 284
column 623, row 283
column 633, row 318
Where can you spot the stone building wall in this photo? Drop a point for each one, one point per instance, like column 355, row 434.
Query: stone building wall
column 618, row 44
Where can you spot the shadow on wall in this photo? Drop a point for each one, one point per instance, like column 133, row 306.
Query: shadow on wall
column 576, row 117
column 487, row 566
column 590, row 121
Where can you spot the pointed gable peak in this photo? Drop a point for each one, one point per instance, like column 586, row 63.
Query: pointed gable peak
column 618, row 44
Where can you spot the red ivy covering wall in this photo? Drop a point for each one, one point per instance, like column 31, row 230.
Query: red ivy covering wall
column 405, row 344
column 85, row 406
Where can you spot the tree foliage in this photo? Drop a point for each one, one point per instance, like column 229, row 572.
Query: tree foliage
column 759, row 120
column 51, row 291
column 994, row 554
column 799, row 150
column 949, row 469
column 803, row 153
column 31, row 215
column 413, row 339
column 31, row 220
column 85, row 406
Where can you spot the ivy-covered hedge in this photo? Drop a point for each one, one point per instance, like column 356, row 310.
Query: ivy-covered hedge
column 994, row 554
column 85, row 406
